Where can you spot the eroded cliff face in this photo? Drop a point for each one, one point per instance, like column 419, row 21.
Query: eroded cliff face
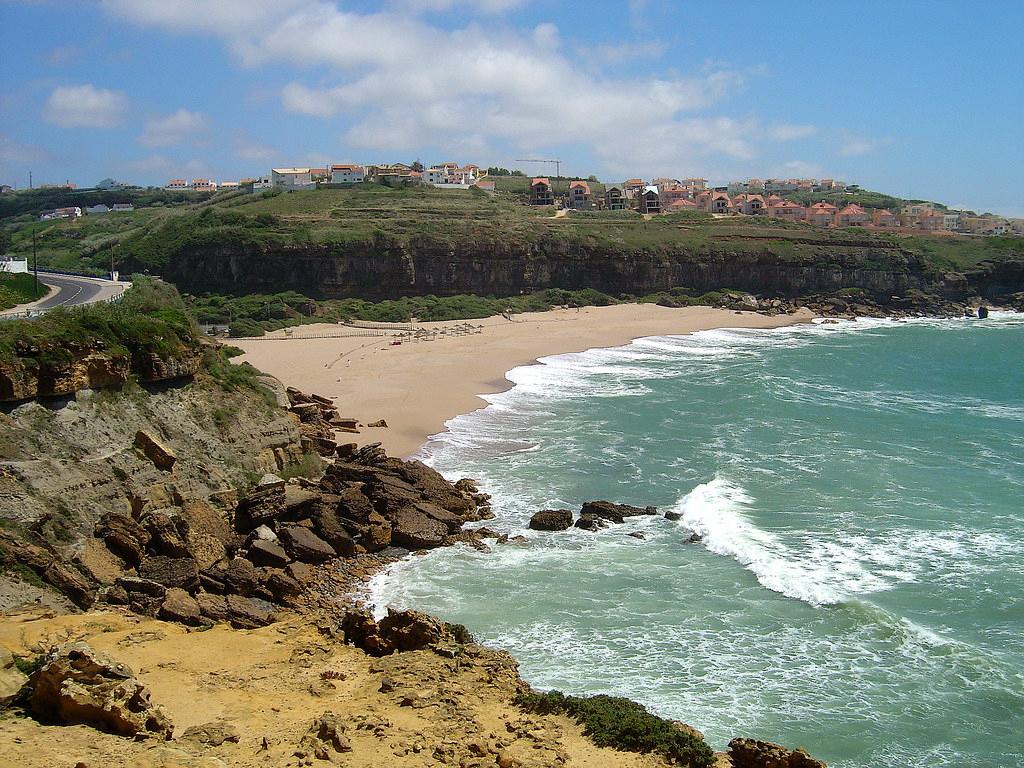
column 385, row 269
column 66, row 463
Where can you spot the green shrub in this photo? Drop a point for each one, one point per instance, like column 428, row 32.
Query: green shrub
column 309, row 466
column 612, row 721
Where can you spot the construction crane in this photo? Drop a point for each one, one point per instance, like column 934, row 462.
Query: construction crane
column 556, row 163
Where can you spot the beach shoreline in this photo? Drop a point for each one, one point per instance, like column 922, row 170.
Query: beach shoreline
column 416, row 387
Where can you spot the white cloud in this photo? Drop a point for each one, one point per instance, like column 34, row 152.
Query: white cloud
column 487, row 7
column 855, row 146
column 799, row 169
column 84, row 106
column 787, row 132
column 247, row 148
column 172, row 129
column 65, row 54
column 456, row 90
column 629, row 51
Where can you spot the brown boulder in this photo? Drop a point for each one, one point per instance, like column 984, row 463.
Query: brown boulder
column 412, row 529
column 171, row 572
column 123, row 536
column 179, row 605
column 268, row 553
column 240, row 577
column 304, row 545
column 78, row 685
column 162, row 456
column 325, row 738
column 551, row 520
column 432, row 484
column 751, row 753
column 212, row 734
column 263, row 504
column 167, row 534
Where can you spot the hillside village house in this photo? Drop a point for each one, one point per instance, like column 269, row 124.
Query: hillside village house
column 579, row 195
column 821, row 214
column 451, row 175
column 177, row 184
column 96, row 210
column 718, row 202
column 122, row 208
column 634, row 187
column 751, row 205
column 615, row 197
column 852, row 216
column 681, row 205
column 230, row 185
column 884, row 218
column 347, row 174
column 291, row 178
column 785, row 209
column 203, row 185
column 318, row 174
column 73, row 212
column 540, row 192
column 650, row 200
column 674, row 193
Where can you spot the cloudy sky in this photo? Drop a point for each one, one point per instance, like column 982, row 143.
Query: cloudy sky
column 918, row 99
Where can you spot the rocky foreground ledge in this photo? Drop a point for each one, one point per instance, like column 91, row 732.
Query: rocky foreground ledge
column 219, row 627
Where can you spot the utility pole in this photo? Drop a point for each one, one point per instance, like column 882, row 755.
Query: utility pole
column 30, row 180
column 35, row 262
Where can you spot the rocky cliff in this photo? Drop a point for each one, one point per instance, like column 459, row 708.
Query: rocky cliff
column 389, row 269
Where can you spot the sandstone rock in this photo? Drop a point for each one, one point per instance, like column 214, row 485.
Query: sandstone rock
column 606, row 510
column 380, row 423
column 240, row 577
column 268, row 553
column 412, row 529
column 432, row 484
column 263, row 504
column 179, row 605
column 167, row 534
column 77, row 684
column 161, row 455
column 123, row 536
column 325, row 738
column 331, row 530
column 133, row 584
column 304, row 545
column 551, row 520
column 171, row 572
column 751, row 753
column 285, row 589
column 412, row 630
column 11, row 678
column 398, row 631
column 212, row 734
column 248, row 612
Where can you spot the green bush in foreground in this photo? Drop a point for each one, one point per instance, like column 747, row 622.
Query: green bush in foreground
column 612, row 721
column 18, row 289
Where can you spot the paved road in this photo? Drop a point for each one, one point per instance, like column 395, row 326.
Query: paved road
column 69, row 291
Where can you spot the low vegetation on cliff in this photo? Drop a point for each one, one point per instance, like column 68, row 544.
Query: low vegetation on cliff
column 612, row 721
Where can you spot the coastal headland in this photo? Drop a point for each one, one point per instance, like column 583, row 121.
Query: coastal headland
column 416, row 386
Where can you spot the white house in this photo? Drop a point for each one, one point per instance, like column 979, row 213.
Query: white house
column 178, row 184
column 62, row 213
column 122, row 207
column 291, row 178
column 347, row 174
column 95, row 210
column 13, row 266
column 262, row 184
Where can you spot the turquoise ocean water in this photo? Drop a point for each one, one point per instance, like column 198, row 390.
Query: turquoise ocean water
column 859, row 589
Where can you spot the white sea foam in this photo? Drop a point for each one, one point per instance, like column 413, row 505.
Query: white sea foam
column 825, row 573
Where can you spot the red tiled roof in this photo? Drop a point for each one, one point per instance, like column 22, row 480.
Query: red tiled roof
column 580, row 185
column 346, row 167
column 537, row 181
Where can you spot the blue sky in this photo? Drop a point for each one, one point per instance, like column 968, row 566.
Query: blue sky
column 918, row 99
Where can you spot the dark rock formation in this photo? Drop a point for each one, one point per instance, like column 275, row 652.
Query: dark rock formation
column 615, row 513
column 325, row 739
column 76, row 684
column 398, row 631
column 551, row 520
column 750, row 753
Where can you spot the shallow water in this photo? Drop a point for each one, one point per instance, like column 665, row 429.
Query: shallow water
column 859, row 488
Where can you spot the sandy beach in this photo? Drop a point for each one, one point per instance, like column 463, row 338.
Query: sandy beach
column 418, row 386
